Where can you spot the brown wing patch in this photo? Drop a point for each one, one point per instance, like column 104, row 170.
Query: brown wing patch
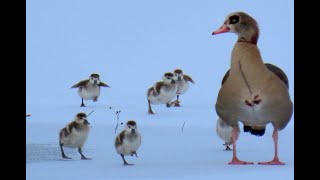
column 63, row 132
column 81, row 83
column 225, row 77
column 188, row 78
column 278, row 72
column 73, row 125
column 158, row 86
column 103, row 84
column 120, row 138
column 149, row 91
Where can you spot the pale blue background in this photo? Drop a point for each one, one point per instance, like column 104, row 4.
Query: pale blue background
column 132, row 43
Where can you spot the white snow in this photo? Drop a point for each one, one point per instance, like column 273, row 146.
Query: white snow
column 166, row 152
column 131, row 44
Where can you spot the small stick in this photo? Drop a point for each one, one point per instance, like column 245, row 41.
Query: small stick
column 117, row 113
column 112, row 109
column 28, row 115
column 184, row 122
column 90, row 113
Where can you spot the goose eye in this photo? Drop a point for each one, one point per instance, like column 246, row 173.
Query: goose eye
column 234, row 19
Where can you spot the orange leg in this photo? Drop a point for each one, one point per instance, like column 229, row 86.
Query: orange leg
column 235, row 160
column 275, row 160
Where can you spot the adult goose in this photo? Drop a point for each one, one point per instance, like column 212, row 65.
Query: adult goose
column 252, row 93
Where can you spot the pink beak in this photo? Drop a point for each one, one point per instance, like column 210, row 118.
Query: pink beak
column 224, row 28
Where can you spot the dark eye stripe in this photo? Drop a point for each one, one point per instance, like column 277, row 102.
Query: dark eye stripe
column 234, row 19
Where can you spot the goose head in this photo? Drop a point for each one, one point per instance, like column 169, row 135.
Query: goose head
column 241, row 24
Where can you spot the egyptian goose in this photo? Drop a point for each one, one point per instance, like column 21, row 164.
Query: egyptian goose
column 128, row 141
column 89, row 89
column 183, row 84
column 224, row 131
column 252, row 94
column 162, row 92
column 74, row 135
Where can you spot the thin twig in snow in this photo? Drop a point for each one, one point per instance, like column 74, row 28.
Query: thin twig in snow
column 117, row 113
column 184, row 122
column 90, row 113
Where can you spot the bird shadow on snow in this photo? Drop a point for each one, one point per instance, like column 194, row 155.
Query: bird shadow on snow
column 49, row 152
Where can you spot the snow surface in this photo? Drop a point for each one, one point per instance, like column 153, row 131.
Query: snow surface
column 131, row 44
